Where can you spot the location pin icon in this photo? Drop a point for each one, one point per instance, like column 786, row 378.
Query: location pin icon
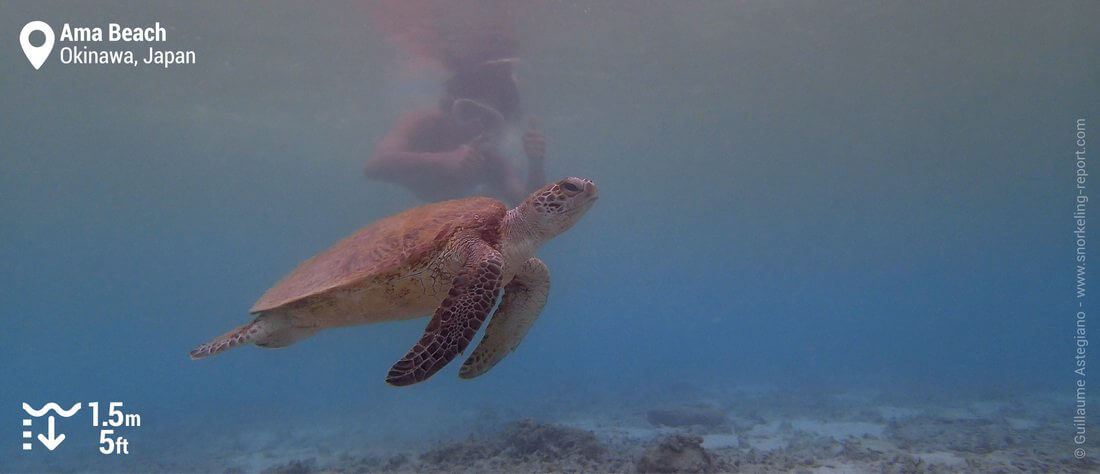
column 36, row 54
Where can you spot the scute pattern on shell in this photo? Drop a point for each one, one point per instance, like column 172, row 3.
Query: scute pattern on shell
column 386, row 247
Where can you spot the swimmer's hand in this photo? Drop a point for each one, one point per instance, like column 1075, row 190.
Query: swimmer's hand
column 534, row 144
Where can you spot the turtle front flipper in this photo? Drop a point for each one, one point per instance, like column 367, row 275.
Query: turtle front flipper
column 523, row 300
column 473, row 293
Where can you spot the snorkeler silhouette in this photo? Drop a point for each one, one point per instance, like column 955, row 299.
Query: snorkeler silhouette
column 451, row 150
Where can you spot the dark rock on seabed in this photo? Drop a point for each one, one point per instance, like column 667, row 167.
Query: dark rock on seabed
column 522, row 446
column 677, row 453
column 297, row 466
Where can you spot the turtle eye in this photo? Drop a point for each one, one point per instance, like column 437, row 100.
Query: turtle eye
column 568, row 186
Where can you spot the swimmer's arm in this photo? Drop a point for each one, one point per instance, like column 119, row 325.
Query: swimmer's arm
column 409, row 166
column 534, row 146
column 394, row 162
column 536, row 173
column 504, row 179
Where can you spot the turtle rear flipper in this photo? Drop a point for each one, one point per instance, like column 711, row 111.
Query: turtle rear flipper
column 264, row 331
column 523, row 300
column 229, row 340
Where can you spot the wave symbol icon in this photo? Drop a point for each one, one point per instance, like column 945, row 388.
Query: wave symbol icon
column 51, row 406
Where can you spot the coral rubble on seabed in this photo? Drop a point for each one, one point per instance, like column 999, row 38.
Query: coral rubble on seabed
column 838, row 434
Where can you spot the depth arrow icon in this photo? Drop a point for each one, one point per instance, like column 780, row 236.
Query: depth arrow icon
column 51, row 442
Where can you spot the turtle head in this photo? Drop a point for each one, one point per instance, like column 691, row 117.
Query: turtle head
column 554, row 208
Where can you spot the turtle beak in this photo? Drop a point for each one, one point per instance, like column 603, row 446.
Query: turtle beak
column 591, row 190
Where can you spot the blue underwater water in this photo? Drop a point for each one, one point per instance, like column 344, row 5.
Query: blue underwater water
column 814, row 197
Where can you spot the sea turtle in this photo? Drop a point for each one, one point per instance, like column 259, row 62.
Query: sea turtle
column 450, row 257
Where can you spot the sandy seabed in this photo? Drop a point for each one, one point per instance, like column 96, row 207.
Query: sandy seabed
column 739, row 431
